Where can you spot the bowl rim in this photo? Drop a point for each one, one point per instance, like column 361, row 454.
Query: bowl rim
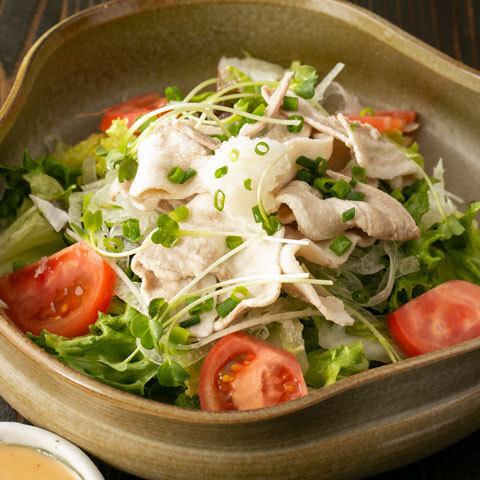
column 19, row 434
column 360, row 18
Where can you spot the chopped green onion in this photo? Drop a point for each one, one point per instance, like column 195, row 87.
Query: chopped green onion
column 324, row 184
column 397, row 195
column 261, row 148
column 256, row 214
column 206, row 306
column 348, row 214
column 322, row 165
column 306, row 162
column 272, row 225
column 290, row 104
column 219, row 200
column 259, row 111
column 131, row 229
column 189, row 173
column 234, row 155
column 359, row 173
column 220, row 172
column 295, row 128
column 190, row 322
column 367, row 111
column 176, row 175
column 180, row 213
column 341, row 189
column 240, row 293
column 305, row 176
column 247, row 183
column 179, row 335
column 113, row 244
column 340, row 245
column 173, row 93
column 224, row 308
column 233, row 241
column 355, row 196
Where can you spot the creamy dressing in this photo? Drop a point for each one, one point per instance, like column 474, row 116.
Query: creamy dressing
column 24, row 463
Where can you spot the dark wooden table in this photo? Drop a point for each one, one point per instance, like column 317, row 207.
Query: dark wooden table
column 452, row 26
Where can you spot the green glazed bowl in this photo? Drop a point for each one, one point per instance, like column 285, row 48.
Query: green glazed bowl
column 368, row 423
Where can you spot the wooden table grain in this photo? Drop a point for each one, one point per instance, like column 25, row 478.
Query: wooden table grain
column 452, row 26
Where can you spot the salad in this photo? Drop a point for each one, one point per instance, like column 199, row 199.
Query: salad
column 234, row 248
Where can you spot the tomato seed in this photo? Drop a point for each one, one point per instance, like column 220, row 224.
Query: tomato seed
column 235, row 367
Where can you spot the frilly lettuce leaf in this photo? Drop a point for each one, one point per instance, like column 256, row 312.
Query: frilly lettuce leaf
column 329, row 366
column 102, row 354
column 44, row 177
column 74, row 156
column 448, row 250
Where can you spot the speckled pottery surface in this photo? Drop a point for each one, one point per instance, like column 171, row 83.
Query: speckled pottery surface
column 371, row 422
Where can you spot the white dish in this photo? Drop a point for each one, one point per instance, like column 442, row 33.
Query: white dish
column 71, row 456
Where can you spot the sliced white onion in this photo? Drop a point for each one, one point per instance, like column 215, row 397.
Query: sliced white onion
column 327, row 80
column 411, row 127
column 381, row 296
column 249, row 323
column 57, row 217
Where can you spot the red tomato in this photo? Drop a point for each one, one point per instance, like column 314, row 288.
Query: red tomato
column 408, row 116
column 132, row 108
column 443, row 316
column 386, row 121
column 243, row 373
column 62, row 293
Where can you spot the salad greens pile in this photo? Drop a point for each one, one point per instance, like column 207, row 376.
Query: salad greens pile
column 148, row 351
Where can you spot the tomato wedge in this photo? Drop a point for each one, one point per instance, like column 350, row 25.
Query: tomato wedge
column 243, row 373
column 408, row 116
column 62, row 293
column 386, row 120
column 444, row 316
column 132, row 108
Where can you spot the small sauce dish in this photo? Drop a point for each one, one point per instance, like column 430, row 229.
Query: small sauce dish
column 43, row 455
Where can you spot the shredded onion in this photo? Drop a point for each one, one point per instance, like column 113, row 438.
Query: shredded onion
column 57, row 217
column 251, row 322
column 380, row 297
column 327, row 80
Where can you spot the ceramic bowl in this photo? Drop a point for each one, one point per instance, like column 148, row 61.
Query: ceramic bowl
column 368, row 423
column 39, row 439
